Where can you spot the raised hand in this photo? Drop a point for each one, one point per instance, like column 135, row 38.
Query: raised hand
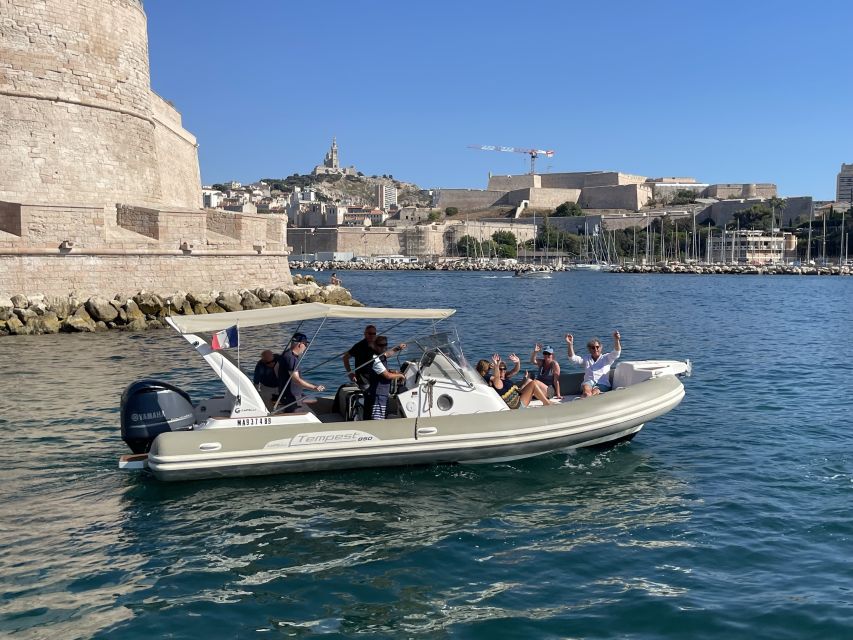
column 570, row 339
column 514, row 358
column 537, row 348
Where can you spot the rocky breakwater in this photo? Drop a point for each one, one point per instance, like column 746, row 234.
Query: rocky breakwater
column 737, row 269
column 37, row 314
column 455, row 265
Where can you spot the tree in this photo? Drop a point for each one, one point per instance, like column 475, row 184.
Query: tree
column 756, row 217
column 505, row 237
column 434, row 216
column 467, row 246
column 776, row 205
column 451, row 211
column 568, row 209
column 683, row 196
column 505, row 244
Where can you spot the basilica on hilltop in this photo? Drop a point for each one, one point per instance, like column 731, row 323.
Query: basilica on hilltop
column 331, row 165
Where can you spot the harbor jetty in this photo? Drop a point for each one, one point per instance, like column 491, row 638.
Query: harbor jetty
column 39, row 314
column 669, row 267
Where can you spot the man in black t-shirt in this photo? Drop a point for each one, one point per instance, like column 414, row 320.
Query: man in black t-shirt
column 363, row 353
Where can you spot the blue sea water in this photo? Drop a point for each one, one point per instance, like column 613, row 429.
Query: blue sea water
column 727, row 518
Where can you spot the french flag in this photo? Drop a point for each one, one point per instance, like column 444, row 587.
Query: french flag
column 225, row 339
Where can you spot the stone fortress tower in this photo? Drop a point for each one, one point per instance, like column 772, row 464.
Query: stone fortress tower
column 78, row 119
column 100, row 190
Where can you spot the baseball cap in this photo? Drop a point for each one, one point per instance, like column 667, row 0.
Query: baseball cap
column 299, row 337
column 548, row 350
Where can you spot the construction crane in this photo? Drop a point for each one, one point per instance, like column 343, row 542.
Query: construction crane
column 533, row 153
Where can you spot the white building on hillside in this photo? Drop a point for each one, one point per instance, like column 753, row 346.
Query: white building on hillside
column 386, row 196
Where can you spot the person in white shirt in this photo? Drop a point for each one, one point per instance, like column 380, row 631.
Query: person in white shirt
column 596, row 378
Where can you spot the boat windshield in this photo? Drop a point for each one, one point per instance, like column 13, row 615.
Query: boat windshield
column 444, row 351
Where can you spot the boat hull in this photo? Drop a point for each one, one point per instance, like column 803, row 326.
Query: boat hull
column 501, row 435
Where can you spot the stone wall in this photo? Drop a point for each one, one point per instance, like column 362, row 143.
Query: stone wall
column 796, row 210
column 628, row 196
column 420, row 240
column 177, row 156
column 467, row 199
column 83, row 275
column 564, row 180
column 57, row 249
column 78, row 121
column 543, row 198
column 747, row 190
column 511, row 183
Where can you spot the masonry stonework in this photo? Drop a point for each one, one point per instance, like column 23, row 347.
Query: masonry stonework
column 78, row 119
column 100, row 189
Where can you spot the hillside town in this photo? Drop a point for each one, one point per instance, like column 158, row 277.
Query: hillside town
column 336, row 213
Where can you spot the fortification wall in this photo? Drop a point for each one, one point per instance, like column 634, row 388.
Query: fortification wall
column 78, row 121
column 356, row 240
column 564, row 180
column 177, row 156
column 747, row 190
column 59, row 249
column 420, row 240
column 85, row 275
column 611, row 179
column 466, row 199
column 511, row 183
column 628, row 196
column 543, row 198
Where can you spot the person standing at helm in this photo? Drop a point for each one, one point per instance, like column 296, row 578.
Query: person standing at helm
column 290, row 384
column 362, row 353
column 380, row 376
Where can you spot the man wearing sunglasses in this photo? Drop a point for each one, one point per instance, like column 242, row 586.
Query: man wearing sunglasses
column 362, row 352
column 597, row 367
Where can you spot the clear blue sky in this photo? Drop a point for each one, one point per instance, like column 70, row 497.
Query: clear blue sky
column 722, row 91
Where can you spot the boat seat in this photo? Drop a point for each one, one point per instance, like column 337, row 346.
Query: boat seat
column 349, row 401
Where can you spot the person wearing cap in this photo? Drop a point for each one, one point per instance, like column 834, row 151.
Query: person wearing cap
column 549, row 369
column 290, row 384
column 596, row 377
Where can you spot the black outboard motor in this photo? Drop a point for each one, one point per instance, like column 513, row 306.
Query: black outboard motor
column 150, row 407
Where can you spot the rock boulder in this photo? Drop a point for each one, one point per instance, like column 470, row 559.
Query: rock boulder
column 79, row 321
column 100, row 309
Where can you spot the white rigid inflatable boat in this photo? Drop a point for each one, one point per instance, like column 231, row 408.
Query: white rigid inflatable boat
column 445, row 412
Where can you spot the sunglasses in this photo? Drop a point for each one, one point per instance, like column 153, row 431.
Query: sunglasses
column 370, row 333
column 595, row 346
column 503, row 368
